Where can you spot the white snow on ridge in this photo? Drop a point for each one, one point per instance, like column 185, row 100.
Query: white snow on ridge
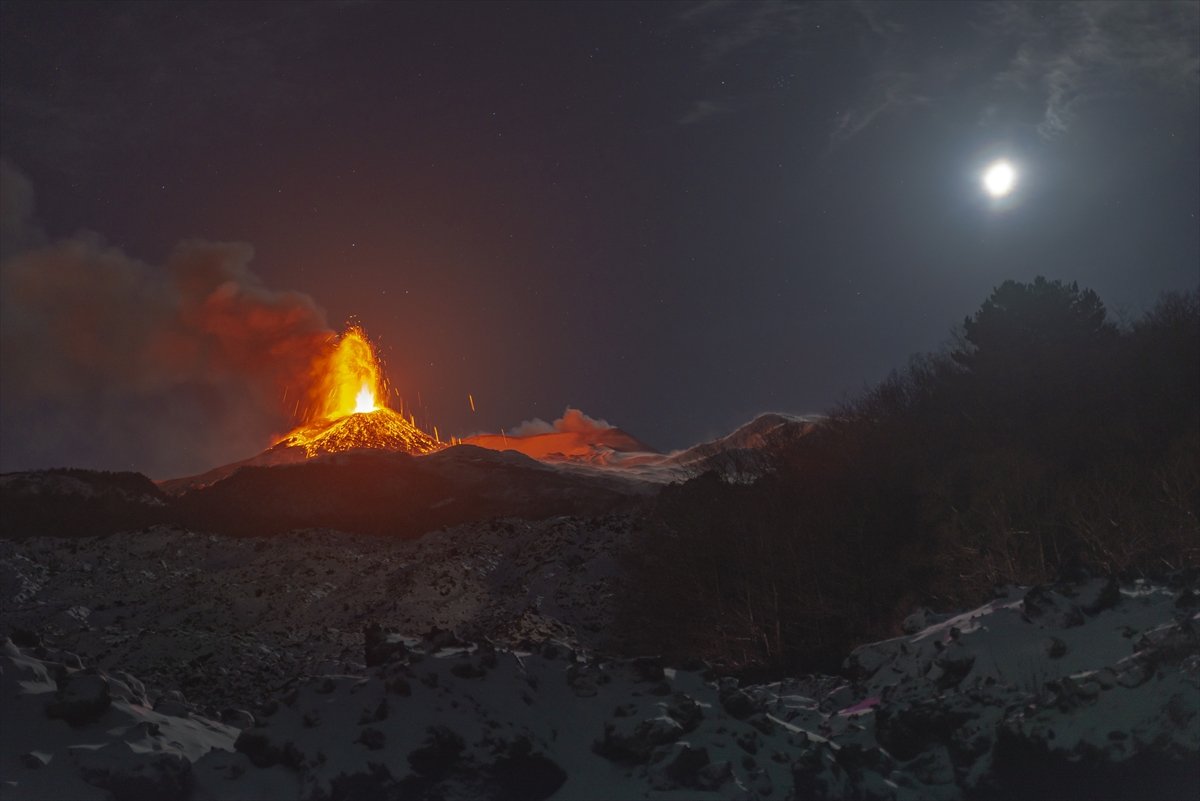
column 737, row 455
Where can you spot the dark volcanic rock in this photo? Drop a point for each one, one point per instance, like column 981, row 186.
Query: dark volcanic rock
column 906, row 730
column 648, row 668
column 256, row 743
column 685, row 764
column 81, row 698
column 625, row 743
column 523, row 774
column 1096, row 595
column 1024, row 767
column 438, row 754
column 376, row 782
column 131, row 776
column 684, row 710
column 377, row 650
column 25, row 638
column 1048, row 608
column 739, row 704
column 372, row 738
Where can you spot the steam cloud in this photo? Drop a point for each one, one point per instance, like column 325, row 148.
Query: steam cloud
column 108, row 362
column 573, row 421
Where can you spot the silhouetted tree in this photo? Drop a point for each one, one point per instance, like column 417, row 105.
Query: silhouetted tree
column 1019, row 321
column 1047, row 439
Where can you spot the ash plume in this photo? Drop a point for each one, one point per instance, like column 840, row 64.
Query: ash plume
column 109, row 362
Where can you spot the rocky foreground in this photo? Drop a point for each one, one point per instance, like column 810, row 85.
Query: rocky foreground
column 1087, row 690
column 225, row 619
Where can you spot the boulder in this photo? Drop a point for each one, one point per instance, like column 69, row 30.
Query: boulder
column 378, row 649
column 438, row 754
column 625, row 741
column 81, row 698
column 131, row 776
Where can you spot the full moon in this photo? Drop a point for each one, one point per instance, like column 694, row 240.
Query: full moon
column 999, row 178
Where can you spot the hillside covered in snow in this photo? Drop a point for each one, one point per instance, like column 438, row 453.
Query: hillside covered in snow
column 1076, row 690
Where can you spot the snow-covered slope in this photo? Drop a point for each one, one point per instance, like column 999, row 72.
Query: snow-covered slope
column 76, row 733
column 742, row 455
column 1091, row 690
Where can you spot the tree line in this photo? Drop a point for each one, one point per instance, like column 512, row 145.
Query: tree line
column 1045, row 441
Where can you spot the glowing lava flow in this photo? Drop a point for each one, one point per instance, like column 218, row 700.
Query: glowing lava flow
column 348, row 411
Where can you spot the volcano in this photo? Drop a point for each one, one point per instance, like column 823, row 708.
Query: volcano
column 382, row 429
column 345, row 410
column 348, row 411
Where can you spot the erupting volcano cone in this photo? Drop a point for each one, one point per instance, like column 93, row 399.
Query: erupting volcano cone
column 381, row 428
column 349, row 413
column 345, row 412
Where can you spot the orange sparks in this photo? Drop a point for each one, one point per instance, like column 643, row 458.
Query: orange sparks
column 349, row 405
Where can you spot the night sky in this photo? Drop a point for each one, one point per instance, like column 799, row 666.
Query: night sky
column 671, row 216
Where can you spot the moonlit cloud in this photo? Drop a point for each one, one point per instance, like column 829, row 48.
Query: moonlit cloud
column 1076, row 53
column 739, row 25
column 1057, row 57
column 888, row 92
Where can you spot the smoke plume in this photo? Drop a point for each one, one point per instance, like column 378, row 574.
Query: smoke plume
column 573, row 421
column 112, row 363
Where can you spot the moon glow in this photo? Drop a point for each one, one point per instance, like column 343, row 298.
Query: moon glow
column 999, row 178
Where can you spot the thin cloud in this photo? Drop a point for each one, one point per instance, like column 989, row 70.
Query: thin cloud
column 875, row 15
column 1077, row 53
column 1013, row 60
column 735, row 26
column 732, row 28
column 888, row 92
column 702, row 110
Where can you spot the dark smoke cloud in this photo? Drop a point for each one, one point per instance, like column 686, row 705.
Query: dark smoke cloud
column 109, row 362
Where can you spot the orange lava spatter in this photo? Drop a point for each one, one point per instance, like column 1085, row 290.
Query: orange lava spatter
column 350, row 379
column 348, row 409
column 382, row 429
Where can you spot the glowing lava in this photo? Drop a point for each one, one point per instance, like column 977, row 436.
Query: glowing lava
column 364, row 401
column 350, row 379
column 347, row 410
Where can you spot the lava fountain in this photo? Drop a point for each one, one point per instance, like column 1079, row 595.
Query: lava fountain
column 349, row 379
column 348, row 408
